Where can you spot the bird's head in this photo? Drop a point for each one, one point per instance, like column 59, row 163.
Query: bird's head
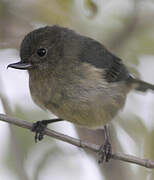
column 40, row 49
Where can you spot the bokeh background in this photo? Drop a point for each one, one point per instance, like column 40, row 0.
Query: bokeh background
column 125, row 27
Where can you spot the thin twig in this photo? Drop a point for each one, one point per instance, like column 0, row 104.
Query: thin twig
column 79, row 143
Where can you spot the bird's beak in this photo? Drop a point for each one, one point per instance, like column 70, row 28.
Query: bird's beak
column 20, row 65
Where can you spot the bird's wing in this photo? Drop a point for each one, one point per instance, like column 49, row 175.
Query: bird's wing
column 97, row 55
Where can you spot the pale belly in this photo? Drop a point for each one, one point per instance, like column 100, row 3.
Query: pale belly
column 91, row 108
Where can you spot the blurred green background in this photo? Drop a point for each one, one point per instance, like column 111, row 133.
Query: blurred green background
column 126, row 28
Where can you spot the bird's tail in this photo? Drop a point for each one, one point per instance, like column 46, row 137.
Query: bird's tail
column 140, row 85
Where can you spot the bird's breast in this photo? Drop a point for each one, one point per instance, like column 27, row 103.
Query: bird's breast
column 82, row 103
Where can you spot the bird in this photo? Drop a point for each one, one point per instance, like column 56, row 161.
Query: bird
column 76, row 78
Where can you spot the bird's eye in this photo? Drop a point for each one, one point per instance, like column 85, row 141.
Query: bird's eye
column 41, row 52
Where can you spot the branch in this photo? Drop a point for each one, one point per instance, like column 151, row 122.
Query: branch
column 79, row 143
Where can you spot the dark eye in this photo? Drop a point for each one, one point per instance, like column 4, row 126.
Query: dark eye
column 41, row 52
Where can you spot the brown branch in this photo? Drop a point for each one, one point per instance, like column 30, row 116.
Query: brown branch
column 79, row 143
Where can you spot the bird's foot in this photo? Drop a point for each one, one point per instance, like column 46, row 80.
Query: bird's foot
column 40, row 126
column 105, row 152
column 39, row 129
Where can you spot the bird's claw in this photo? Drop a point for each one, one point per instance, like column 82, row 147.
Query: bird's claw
column 105, row 152
column 39, row 128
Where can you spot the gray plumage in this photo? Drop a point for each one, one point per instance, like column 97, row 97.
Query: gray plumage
column 77, row 79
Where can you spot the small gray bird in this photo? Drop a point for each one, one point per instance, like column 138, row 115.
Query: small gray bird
column 76, row 78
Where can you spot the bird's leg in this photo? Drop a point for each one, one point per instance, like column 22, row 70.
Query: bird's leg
column 40, row 126
column 105, row 149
